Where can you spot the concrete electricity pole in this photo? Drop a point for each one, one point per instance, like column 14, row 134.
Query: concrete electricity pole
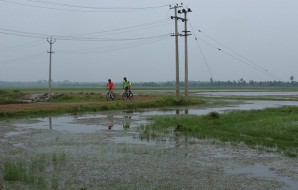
column 177, row 48
column 51, row 42
column 186, row 33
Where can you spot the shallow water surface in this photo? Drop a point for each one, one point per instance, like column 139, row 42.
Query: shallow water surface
column 260, row 170
column 119, row 120
column 113, row 137
column 248, row 93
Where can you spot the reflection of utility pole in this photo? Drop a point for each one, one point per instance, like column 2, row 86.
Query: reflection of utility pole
column 51, row 42
column 50, row 122
column 186, row 33
column 177, row 49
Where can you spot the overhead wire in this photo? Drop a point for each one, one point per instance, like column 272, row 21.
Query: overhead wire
column 21, row 46
column 111, row 48
column 83, row 8
column 73, row 38
column 127, row 28
column 238, row 56
column 204, row 58
column 28, row 57
column 90, row 7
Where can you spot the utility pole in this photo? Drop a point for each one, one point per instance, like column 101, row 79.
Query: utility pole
column 186, row 33
column 177, row 48
column 51, row 42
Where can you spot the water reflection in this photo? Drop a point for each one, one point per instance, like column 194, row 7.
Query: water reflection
column 110, row 121
column 181, row 142
column 50, row 122
column 127, row 120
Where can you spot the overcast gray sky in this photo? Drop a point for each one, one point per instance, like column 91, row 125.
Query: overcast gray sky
column 96, row 40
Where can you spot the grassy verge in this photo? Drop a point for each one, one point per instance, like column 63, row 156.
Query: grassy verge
column 74, row 103
column 10, row 96
column 274, row 128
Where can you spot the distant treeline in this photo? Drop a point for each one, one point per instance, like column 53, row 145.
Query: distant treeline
column 239, row 83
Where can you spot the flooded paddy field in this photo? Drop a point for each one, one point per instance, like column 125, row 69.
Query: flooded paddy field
column 104, row 150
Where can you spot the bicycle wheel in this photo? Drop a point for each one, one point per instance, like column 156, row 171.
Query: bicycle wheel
column 130, row 95
column 124, row 96
column 108, row 96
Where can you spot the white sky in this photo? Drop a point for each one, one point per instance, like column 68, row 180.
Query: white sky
column 258, row 40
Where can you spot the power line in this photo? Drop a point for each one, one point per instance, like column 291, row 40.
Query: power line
column 89, row 7
column 239, row 57
column 127, row 29
column 73, row 38
column 21, row 46
column 22, row 58
column 111, row 48
column 204, row 58
column 83, row 8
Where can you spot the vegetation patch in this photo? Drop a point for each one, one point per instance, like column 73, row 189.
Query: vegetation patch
column 274, row 127
column 10, row 96
column 38, row 172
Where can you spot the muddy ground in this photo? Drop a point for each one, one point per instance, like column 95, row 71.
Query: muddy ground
column 119, row 159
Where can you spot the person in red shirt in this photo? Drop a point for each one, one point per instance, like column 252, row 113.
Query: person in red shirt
column 110, row 86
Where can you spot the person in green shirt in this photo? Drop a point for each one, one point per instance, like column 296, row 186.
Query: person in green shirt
column 126, row 84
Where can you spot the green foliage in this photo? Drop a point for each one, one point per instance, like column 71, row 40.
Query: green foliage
column 213, row 115
column 34, row 171
column 9, row 97
column 270, row 127
column 3, row 92
column 14, row 171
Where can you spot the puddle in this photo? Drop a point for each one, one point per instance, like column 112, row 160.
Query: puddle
column 88, row 123
column 260, row 170
column 166, row 142
column 117, row 120
column 247, row 93
column 248, row 105
column 10, row 134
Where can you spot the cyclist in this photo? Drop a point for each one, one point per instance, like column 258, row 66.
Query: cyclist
column 126, row 84
column 110, row 86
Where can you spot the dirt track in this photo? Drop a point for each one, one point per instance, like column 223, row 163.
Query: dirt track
column 29, row 106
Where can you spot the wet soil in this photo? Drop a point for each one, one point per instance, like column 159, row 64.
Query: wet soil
column 120, row 159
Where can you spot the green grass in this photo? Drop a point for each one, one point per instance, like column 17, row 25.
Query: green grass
column 274, row 128
column 10, row 96
column 35, row 172
column 91, row 102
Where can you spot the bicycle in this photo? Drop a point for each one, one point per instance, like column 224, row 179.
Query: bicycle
column 127, row 95
column 110, row 95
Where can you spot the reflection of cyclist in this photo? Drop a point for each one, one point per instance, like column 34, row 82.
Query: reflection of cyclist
column 126, row 125
column 126, row 84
